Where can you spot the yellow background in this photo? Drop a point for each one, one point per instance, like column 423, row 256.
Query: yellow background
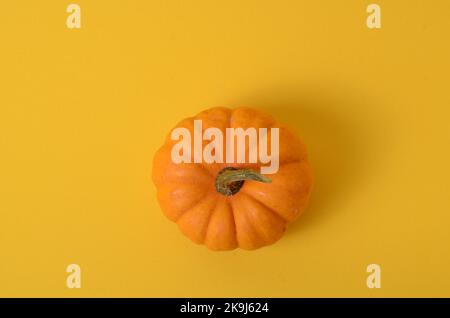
column 83, row 111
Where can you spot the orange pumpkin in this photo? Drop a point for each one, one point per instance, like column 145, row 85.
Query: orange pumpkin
column 226, row 206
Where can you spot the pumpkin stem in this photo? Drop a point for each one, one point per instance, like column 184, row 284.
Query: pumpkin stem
column 230, row 180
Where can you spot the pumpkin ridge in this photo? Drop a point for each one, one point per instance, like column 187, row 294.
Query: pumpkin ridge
column 171, row 179
column 260, row 232
column 267, row 207
column 230, row 117
column 234, row 222
column 303, row 158
column 192, row 207
column 203, row 210
column 222, row 203
column 211, row 212
column 267, row 240
column 292, row 162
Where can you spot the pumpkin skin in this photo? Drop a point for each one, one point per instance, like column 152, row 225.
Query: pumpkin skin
column 258, row 214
